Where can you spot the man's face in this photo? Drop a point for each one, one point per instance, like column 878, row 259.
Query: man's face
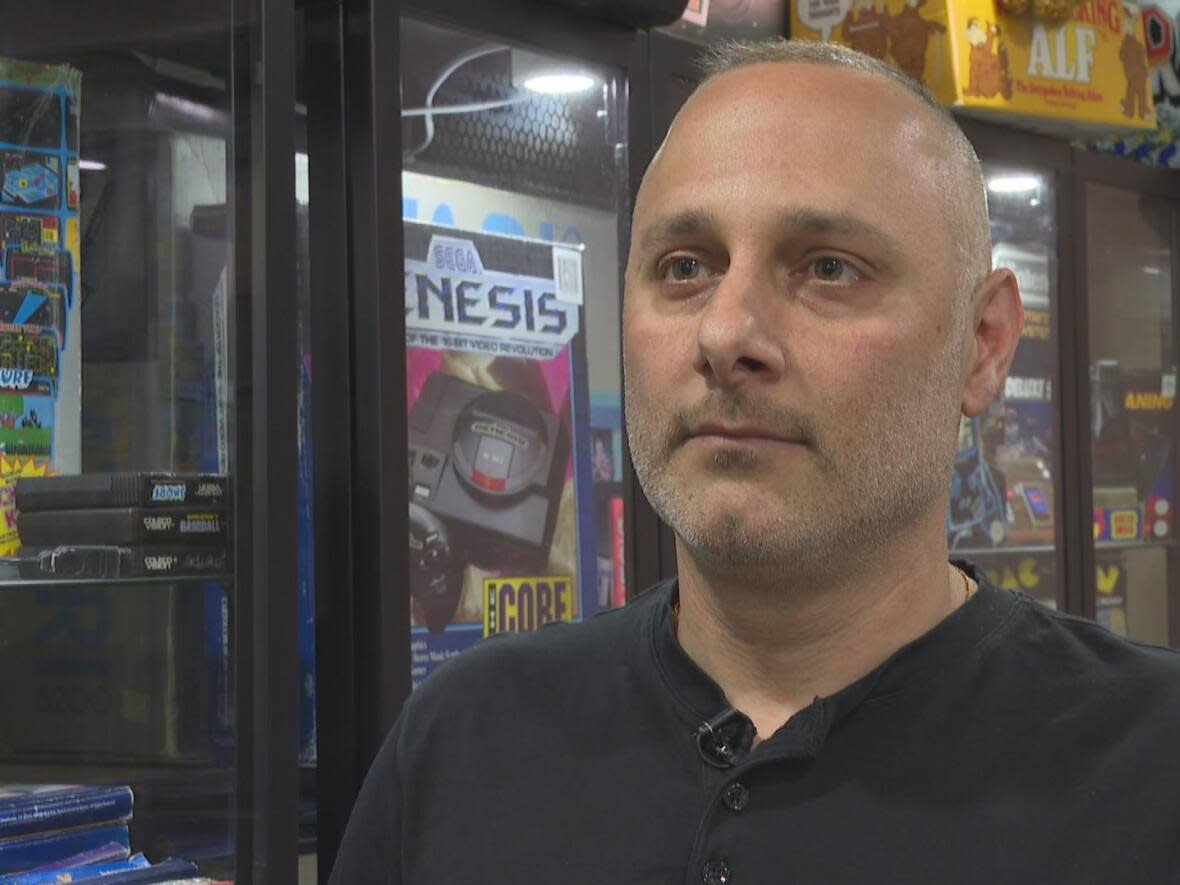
column 793, row 337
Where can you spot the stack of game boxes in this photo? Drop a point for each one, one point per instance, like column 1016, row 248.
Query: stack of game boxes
column 45, row 826
column 123, row 525
column 74, row 833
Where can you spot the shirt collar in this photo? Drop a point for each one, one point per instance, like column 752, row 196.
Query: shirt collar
column 952, row 641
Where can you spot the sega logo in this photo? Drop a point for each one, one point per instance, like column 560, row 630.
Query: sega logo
column 169, row 492
column 454, row 255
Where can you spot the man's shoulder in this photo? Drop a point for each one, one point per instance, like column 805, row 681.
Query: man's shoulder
column 1067, row 650
column 1086, row 637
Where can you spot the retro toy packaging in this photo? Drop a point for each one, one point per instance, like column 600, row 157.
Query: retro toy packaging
column 1133, row 417
column 502, row 516
column 1085, row 75
column 40, row 367
column 1002, row 491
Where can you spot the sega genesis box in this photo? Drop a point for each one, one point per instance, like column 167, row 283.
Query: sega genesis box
column 499, row 475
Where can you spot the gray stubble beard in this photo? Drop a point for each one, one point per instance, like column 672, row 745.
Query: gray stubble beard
column 892, row 486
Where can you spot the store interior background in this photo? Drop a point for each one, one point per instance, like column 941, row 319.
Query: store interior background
column 246, row 172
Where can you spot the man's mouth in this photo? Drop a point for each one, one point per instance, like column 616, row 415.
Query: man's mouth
column 740, row 434
column 739, row 423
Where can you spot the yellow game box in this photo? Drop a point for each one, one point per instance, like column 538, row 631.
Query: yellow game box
column 1084, row 77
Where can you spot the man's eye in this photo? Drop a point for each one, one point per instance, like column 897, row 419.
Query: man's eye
column 683, row 269
column 834, row 270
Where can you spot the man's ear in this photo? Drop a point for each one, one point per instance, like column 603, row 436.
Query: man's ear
column 997, row 316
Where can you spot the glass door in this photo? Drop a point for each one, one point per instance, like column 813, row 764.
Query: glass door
column 1003, row 513
column 1130, row 256
column 514, row 199
column 142, row 433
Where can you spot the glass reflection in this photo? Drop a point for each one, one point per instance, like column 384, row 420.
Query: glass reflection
column 1002, row 509
column 1132, row 409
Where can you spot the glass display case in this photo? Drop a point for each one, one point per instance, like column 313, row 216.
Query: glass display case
column 147, row 422
column 252, row 263
column 1131, row 297
column 1003, row 511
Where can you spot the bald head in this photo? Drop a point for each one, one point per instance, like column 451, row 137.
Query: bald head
column 963, row 195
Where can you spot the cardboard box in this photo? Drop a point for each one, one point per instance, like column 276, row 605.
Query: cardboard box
column 1118, row 515
column 1087, row 76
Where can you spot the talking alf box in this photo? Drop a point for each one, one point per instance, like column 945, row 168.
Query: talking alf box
column 1087, row 75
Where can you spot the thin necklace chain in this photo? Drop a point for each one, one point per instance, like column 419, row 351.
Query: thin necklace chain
column 967, row 591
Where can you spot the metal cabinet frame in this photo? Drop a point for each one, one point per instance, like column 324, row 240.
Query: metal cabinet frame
column 265, row 614
column 1133, row 177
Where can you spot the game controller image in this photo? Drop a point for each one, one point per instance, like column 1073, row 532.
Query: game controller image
column 491, row 466
column 435, row 578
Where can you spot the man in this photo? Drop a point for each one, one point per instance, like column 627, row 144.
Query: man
column 820, row 697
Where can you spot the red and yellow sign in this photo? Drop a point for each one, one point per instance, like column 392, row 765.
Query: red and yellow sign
column 1089, row 75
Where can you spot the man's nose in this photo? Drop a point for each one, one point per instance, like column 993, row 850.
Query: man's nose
column 738, row 337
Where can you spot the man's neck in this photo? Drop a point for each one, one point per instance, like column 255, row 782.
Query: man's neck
column 774, row 645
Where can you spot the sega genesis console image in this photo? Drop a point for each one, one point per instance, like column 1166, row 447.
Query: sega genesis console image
column 492, row 464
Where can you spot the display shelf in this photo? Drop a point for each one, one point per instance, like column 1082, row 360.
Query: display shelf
column 46, row 583
column 82, row 771
column 1134, row 545
column 1034, row 549
column 980, row 552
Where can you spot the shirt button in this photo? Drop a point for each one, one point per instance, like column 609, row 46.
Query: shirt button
column 736, row 796
column 716, row 872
